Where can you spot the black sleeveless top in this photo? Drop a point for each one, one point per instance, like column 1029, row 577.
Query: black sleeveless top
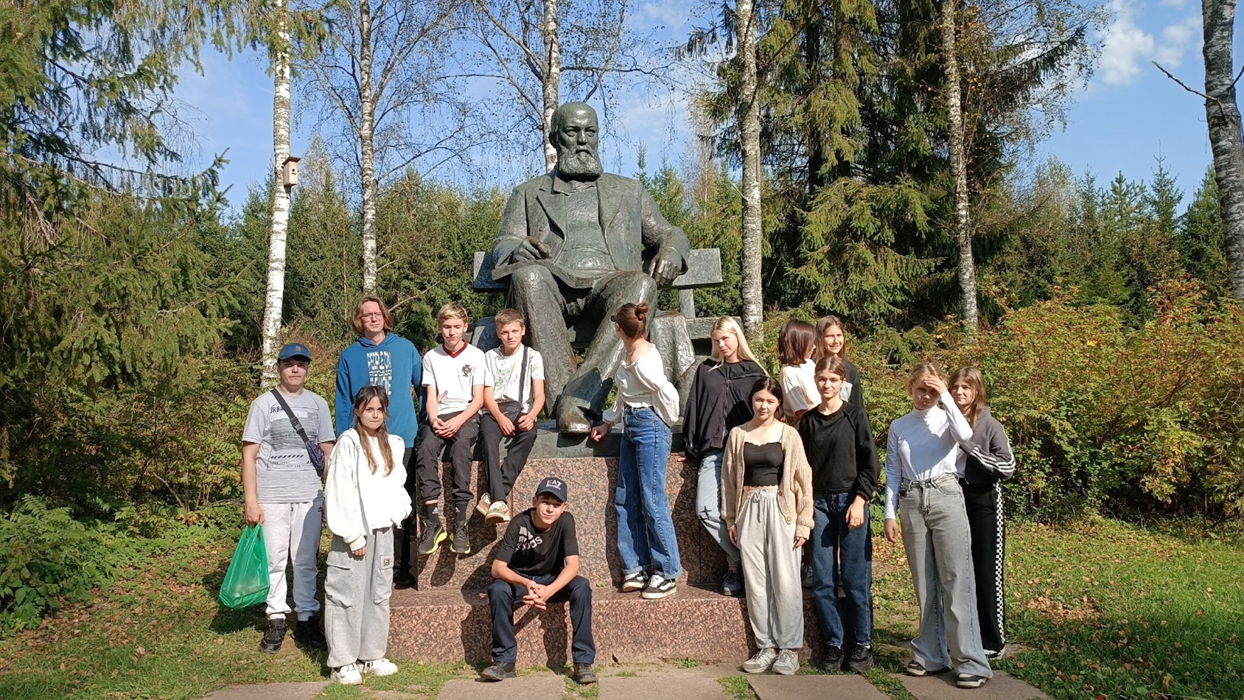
column 762, row 464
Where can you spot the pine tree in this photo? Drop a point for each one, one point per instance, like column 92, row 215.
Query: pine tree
column 1201, row 239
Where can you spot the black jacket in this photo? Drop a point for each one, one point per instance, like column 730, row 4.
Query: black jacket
column 719, row 401
column 991, row 459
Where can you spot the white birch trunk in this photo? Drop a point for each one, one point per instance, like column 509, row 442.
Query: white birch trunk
column 367, row 152
column 958, row 168
column 1223, row 117
column 274, row 296
column 749, row 136
column 552, row 79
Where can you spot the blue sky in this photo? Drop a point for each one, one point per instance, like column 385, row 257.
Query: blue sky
column 1125, row 117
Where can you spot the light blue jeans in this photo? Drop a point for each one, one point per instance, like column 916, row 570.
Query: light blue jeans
column 646, row 539
column 939, row 553
column 708, row 503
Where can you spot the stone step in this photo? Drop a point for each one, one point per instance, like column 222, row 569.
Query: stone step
column 1003, row 686
column 591, row 481
column 855, row 687
column 445, row 626
column 683, row 687
column 542, row 687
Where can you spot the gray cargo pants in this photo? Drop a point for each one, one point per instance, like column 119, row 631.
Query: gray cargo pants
column 356, row 597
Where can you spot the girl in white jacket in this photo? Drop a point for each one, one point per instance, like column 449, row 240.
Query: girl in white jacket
column 365, row 497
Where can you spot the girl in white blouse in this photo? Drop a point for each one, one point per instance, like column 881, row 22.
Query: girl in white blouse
column 922, row 482
column 646, row 405
column 364, row 498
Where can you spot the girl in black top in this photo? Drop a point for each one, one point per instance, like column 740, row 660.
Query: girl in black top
column 980, row 470
column 845, row 473
column 831, row 342
column 718, row 402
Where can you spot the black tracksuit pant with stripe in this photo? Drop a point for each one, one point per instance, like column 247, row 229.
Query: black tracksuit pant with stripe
column 984, row 506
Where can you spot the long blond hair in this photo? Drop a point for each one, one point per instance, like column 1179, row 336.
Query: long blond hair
column 727, row 324
column 364, row 397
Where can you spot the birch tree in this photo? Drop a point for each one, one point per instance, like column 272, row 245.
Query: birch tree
column 275, row 292
column 386, row 64
column 958, row 165
column 749, row 144
column 1223, row 117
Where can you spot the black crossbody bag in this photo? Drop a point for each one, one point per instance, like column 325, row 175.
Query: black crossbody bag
column 313, row 448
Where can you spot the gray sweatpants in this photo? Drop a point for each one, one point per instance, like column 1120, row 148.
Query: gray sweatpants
column 771, row 566
column 939, row 553
column 356, row 597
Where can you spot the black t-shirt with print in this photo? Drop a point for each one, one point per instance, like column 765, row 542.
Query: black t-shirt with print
column 531, row 552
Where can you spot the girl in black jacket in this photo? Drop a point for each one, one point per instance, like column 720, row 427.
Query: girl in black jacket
column 831, row 342
column 720, row 400
column 980, row 470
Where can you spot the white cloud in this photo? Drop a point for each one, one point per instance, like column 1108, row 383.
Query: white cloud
column 1126, row 46
column 1173, row 3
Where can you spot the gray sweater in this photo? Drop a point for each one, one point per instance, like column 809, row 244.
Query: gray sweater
column 991, row 459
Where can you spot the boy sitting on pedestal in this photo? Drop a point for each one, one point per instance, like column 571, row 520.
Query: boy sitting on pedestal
column 537, row 563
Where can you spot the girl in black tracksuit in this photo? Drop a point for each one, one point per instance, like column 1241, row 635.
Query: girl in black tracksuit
column 989, row 462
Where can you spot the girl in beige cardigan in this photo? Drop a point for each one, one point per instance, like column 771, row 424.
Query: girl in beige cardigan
column 767, row 504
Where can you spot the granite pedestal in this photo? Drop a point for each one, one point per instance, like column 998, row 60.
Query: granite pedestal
column 447, row 618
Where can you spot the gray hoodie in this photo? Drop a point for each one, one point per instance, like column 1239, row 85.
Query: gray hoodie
column 991, row 459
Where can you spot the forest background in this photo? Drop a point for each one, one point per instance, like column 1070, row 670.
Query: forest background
column 131, row 299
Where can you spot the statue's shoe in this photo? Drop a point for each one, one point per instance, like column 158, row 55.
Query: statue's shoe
column 572, row 421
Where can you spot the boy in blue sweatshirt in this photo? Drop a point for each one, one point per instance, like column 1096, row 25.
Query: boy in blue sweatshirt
column 389, row 360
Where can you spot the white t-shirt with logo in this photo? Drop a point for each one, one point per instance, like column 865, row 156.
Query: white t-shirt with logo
column 454, row 376
column 503, row 374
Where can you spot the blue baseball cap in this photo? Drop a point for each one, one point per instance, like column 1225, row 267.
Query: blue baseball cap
column 554, row 487
column 291, row 350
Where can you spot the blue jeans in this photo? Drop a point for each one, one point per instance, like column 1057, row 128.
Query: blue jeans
column 708, row 504
column 502, row 597
column 645, row 529
column 832, row 541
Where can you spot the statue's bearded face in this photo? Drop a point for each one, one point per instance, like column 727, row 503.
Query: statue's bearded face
column 576, row 141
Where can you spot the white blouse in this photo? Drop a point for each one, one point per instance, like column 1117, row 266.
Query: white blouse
column 924, row 445
column 643, row 383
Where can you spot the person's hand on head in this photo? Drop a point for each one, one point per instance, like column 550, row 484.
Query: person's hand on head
column 936, row 384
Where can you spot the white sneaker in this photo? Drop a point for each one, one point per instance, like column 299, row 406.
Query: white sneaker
column 485, row 501
column 379, row 667
column 786, row 663
column 659, row 587
column 761, row 662
column 348, row 675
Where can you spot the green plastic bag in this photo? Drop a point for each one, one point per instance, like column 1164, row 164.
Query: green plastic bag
column 246, row 581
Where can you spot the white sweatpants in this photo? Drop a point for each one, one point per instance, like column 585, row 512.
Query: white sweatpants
column 771, row 566
column 291, row 531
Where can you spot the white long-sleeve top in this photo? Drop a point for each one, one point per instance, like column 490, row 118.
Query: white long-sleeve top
column 923, row 445
column 643, row 383
column 358, row 500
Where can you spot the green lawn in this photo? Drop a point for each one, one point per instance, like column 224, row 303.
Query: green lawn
column 1102, row 608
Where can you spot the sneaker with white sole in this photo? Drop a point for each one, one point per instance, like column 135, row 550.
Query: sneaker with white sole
column 634, row 582
column 379, row 667
column 761, row 662
column 969, row 681
column 348, row 675
column 659, row 587
column 498, row 512
column 786, row 664
column 484, row 504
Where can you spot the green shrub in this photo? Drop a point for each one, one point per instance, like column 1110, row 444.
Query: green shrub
column 48, row 558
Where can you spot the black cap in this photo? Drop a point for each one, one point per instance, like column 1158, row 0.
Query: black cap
column 554, row 487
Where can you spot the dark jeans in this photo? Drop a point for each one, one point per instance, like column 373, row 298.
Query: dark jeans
column 831, row 538
column 503, row 597
column 984, row 506
column 403, row 536
column 428, row 456
column 502, row 475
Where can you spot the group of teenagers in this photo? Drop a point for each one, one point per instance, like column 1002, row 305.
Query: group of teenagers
column 787, row 468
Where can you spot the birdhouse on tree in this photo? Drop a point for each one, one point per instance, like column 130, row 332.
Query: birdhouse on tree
column 290, row 171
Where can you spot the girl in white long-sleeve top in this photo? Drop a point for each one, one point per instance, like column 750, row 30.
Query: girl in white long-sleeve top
column 922, row 480
column 365, row 497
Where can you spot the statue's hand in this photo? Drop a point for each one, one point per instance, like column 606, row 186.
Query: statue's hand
column 666, row 266
column 530, row 249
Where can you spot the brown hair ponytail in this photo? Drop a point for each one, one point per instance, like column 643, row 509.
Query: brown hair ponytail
column 632, row 319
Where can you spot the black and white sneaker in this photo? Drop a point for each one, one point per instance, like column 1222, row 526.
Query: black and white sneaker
column 991, row 654
column 914, row 668
column 659, row 587
column 634, row 582
column 274, row 637
column 967, row 680
column 498, row 672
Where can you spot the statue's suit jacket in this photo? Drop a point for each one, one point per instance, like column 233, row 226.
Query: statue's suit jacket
column 629, row 217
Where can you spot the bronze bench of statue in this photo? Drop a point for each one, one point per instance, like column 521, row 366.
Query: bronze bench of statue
column 575, row 244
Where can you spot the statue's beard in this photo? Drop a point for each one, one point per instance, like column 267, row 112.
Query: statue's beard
column 583, row 165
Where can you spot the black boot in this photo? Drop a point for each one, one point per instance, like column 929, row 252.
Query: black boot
column 432, row 533
column 462, row 543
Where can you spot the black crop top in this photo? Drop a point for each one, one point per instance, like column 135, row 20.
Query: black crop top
column 762, row 464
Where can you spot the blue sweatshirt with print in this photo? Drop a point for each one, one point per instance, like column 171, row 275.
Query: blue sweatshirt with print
column 395, row 364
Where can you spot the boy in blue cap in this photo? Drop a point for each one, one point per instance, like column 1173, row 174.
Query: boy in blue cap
column 537, row 563
column 286, row 443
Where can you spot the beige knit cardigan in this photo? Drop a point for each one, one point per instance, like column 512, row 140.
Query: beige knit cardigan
column 794, row 495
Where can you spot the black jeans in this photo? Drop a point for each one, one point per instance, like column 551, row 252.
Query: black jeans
column 428, row 457
column 502, row 475
column 984, row 507
column 503, row 597
column 403, row 536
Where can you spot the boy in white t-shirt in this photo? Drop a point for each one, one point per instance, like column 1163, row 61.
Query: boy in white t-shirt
column 513, row 397
column 453, row 374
